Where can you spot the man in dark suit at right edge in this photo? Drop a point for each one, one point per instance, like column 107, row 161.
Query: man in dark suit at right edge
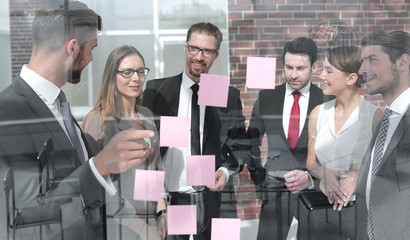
column 383, row 185
column 273, row 114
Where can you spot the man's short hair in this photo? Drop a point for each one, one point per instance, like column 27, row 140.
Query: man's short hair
column 393, row 43
column 57, row 21
column 301, row 45
column 207, row 28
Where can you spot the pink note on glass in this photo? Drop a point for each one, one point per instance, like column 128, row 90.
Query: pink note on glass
column 213, row 90
column 181, row 219
column 226, row 228
column 174, row 132
column 261, row 72
column 200, row 170
column 149, row 185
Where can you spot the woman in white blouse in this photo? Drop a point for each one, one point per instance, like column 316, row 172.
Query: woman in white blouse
column 340, row 130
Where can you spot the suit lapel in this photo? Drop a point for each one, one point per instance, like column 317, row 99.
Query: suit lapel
column 166, row 101
column 32, row 99
column 169, row 92
column 315, row 98
column 278, row 109
column 87, row 147
column 396, row 137
column 209, row 119
column 43, row 112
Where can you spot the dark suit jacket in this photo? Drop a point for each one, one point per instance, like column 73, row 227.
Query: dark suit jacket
column 162, row 97
column 25, row 124
column 390, row 192
column 233, row 131
column 267, row 118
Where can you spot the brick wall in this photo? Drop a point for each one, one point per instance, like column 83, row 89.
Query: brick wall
column 21, row 16
column 261, row 27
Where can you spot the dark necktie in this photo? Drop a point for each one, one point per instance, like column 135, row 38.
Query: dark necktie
column 293, row 131
column 70, row 126
column 377, row 157
column 195, row 142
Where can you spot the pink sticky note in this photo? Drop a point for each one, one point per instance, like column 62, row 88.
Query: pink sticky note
column 213, row 90
column 200, row 170
column 174, row 132
column 261, row 72
column 181, row 219
column 225, row 228
column 149, row 185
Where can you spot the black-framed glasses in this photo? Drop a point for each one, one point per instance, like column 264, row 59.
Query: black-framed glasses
column 127, row 73
column 208, row 53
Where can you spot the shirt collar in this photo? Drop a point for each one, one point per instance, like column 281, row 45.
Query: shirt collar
column 304, row 91
column 187, row 82
column 401, row 103
column 40, row 85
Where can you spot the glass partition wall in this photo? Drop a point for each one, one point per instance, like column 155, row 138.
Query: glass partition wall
column 251, row 28
column 158, row 30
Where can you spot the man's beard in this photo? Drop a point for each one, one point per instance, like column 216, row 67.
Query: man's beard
column 195, row 74
column 387, row 89
column 76, row 70
column 74, row 76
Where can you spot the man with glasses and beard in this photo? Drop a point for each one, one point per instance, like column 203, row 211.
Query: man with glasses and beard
column 177, row 96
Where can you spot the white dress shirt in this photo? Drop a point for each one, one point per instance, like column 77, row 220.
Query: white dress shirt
column 174, row 158
column 303, row 106
column 48, row 93
column 399, row 107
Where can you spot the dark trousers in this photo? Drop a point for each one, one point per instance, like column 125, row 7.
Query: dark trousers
column 200, row 199
column 276, row 215
column 228, row 200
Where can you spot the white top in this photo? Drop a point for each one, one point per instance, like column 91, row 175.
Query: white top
column 303, row 106
column 399, row 107
column 48, row 93
column 174, row 158
column 344, row 150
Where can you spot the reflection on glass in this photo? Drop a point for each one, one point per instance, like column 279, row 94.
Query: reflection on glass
column 181, row 14
column 125, row 14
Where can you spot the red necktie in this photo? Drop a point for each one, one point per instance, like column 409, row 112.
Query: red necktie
column 293, row 132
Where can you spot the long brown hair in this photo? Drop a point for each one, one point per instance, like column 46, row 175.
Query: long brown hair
column 106, row 99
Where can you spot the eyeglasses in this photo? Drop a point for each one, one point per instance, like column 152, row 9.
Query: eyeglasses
column 127, row 73
column 208, row 53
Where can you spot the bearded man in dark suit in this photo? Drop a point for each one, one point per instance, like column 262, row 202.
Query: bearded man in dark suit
column 287, row 143
column 31, row 111
column 383, row 185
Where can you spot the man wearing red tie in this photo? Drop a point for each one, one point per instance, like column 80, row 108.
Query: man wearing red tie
column 282, row 114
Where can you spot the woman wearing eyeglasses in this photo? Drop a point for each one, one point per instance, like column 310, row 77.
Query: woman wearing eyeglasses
column 118, row 108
